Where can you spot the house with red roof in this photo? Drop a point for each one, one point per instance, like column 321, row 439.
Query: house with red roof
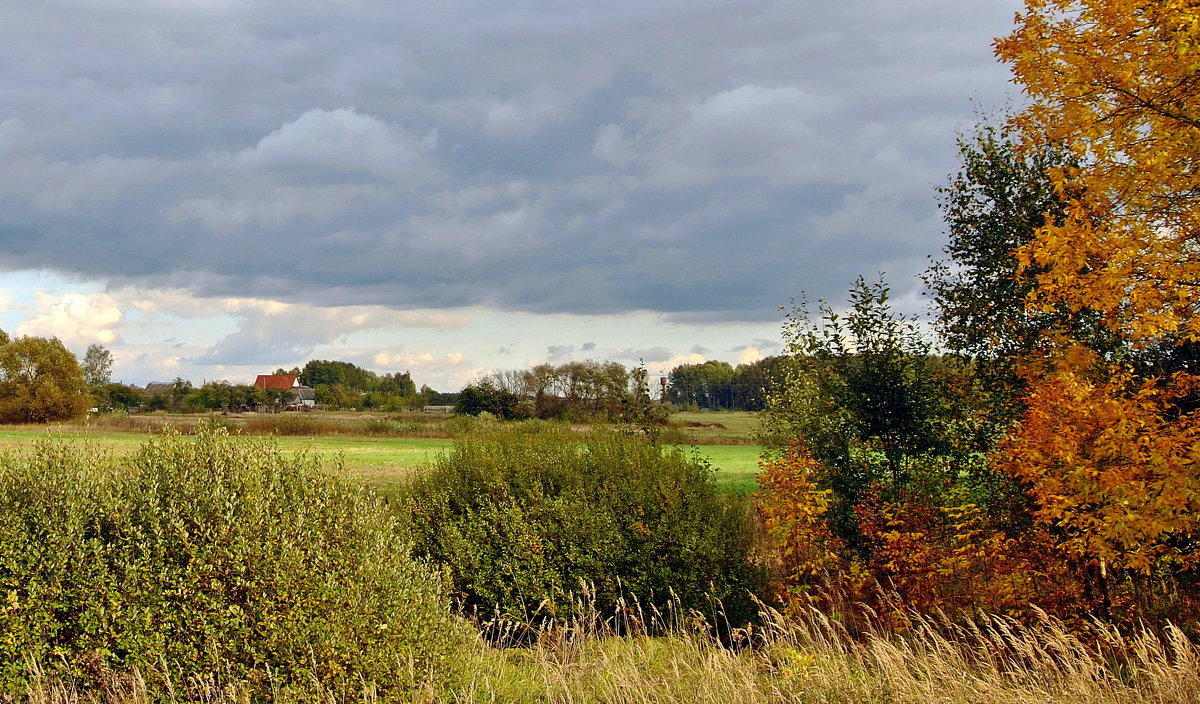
column 303, row 398
column 265, row 382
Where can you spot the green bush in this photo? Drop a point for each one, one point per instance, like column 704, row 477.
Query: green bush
column 524, row 521
column 216, row 556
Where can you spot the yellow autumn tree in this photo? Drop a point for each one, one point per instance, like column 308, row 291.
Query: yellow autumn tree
column 1118, row 83
column 1108, row 445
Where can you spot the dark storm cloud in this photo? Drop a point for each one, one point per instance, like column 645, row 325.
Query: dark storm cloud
column 706, row 160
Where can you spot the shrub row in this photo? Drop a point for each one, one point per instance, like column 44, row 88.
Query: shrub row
column 221, row 557
column 210, row 555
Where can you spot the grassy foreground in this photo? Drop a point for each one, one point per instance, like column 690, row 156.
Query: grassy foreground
column 801, row 659
column 219, row 570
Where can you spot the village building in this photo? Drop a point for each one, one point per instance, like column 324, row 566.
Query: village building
column 303, row 398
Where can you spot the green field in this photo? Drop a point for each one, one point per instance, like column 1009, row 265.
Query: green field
column 382, row 462
column 717, row 427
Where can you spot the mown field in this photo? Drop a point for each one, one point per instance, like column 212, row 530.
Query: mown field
column 381, row 450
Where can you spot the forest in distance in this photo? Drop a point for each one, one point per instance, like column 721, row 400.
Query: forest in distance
column 1005, row 511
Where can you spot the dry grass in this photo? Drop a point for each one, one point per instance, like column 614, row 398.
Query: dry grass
column 797, row 660
column 812, row 659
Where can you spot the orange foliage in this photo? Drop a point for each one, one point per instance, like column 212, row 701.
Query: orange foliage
column 1112, row 462
column 1111, row 456
column 952, row 559
column 931, row 557
column 793, row 512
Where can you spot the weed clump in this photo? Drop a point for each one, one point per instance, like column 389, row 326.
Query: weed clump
column 210, row 556
column 527, row 522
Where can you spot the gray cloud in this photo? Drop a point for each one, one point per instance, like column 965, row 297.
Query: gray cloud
column 705, row 160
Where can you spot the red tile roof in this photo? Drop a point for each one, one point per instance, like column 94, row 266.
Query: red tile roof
column 276, row 381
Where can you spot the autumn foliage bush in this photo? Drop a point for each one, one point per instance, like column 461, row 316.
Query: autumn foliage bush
column 915, row 555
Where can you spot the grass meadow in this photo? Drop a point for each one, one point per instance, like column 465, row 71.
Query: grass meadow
column 380, row 450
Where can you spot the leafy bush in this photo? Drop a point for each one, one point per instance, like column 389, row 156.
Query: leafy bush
column 523, row 520
column 214, row 556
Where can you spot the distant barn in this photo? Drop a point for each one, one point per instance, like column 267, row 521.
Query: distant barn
column 159, row 388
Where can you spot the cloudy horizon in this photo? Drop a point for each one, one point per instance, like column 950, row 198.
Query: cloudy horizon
column 213, row 189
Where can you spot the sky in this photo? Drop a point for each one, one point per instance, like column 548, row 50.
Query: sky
column 213, row 189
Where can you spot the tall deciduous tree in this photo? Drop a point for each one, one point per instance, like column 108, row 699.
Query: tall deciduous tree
column 40, row 381
column 996, row 202
column 1118, row 83
column 97, row 366
column 867, row 400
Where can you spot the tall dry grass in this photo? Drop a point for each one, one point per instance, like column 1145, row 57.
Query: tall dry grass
column 799, row 659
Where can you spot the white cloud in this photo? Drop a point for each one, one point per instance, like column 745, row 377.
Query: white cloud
column 783, row 135
column 675, row 361
column 337, row 320
column 527, row 114
column 749, row 355
column 611, row 146
column 75, row 318
column 62, row 185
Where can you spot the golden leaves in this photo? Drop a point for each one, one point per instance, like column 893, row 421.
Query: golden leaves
column 1116, row 81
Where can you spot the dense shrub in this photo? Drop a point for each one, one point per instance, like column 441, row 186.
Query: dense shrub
column 210, row 555
column 524, row 520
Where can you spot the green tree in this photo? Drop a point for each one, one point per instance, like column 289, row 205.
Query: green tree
column 177, row 397
column 40, row 381
column 994, row 205
column 867, row 397
column 486, row 396
column 753, row 383
column 705, row 385
column 97, row 366
column 124, row 396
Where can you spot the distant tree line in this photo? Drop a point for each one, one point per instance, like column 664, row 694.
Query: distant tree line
column 41, row 381
column 345, row 385
column 715, row 385
column 573, row 391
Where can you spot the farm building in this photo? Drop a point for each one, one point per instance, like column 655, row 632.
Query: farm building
column 266, row 382
column 303, row 398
